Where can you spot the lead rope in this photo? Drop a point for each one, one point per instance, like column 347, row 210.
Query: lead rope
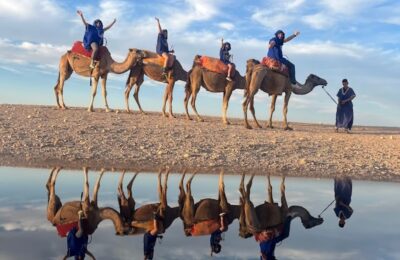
column 323, row 87
column 326, row 208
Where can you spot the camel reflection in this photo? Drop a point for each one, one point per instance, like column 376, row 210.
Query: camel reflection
column 208, row 216
column 140, row 220
column 269, row 215
column 268, row 222
column 67, row 214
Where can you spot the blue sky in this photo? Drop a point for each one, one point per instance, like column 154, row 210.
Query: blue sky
column 354, row 39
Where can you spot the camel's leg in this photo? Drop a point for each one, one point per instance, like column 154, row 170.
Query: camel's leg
column 223, row 202
column 128, row 87
column 139, row 82
column 248, row 187
column 188, row 94
column 131, row 200
column 253, row 112
column 56, row 91
column 284, row 205
column 271, row 110
column 241, row 187
column 63, row 78
column 54, row 203
column 285, row 110
column 188, row 206
column 170, row 97
column 120, row 183
column 195, row 91
column 65, row 72
column 164, row 202
column 104, row 91
column 86, row 200
column 97, row 187
column 270, row 197
column 94, row 90
column 227, row 95
column 159, row 185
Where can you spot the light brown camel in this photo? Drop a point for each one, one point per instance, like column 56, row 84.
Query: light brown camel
column 141, row 219
column 206, row 209
column 213, row 82
column 73, row 62
column 154, row 71
column 269, row 215
column 61, row 214
column 274, row 83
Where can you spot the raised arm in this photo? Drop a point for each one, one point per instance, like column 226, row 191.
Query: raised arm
column 222, row 42
column 79, row 12
column 292, row 36
column 159, row 25
column 109, row 26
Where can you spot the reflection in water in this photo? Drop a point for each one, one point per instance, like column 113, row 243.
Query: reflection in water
column 208, row 216
column 268, row 222
column 23, row 203
column 343, row 190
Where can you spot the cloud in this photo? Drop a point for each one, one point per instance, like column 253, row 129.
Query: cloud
column 318, row 21
column 29, row 9
column 226, row 26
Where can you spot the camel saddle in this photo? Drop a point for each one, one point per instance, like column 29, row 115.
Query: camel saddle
column 158, row 61
column 63, row 229
column 206, row 227
column 78, row 48
column 212, row 64
column 274, row 65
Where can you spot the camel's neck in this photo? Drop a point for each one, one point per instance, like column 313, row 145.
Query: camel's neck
column 303, row 89
column 180, row 73
column 111, row 214
column 124, row 66
column 235, row 211
column 172, row 214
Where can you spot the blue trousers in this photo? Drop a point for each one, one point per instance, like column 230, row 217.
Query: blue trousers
column 292, row 70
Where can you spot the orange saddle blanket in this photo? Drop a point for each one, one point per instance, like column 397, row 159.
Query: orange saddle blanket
column 205, row 227
column 213, row 64
column 78, row 48
column 274, row 65
column 159, row 60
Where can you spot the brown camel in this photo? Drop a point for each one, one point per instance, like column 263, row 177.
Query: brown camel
column 71, row 62
column 213, row 82
column 274, row 83
column 154, row 71
column 61, row 214
column 206, row 209
column 141, row 219
column 269, row 215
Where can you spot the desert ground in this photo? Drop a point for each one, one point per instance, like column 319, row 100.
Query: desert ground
column 43, row 136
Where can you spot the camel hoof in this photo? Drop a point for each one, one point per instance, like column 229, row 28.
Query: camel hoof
column 90, row 110
column 200, row 120
column 128, row 111
column 142, row 112
column 188, row 118
column 270, row 126
column 248, row 127
column 288, row 128
column 227, row 123
column 108, row 110
column 259, row 126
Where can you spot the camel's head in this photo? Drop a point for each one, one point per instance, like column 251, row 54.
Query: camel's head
column 137, row 54
column 251, row 63
column 316, row 81
column 312, row 222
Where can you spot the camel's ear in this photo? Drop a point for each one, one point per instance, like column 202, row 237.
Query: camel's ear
column 130, row 49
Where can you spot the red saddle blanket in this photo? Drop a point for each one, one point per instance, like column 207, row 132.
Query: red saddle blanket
column 274, row 65
column 213, row 64
column 78, row 48
column 63, row 229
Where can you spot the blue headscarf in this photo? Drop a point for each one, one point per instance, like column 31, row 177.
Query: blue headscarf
column 277, row 40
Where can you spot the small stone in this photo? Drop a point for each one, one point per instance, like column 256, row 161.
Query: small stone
column 186, row 155
column 29, row 116
column 302, row 161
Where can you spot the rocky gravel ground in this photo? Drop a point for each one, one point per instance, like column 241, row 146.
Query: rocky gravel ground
column 40, row 136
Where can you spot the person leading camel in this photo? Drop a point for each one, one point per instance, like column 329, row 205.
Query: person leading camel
column 77, row 241
column 94, row 36
column 216, row 236
column 343, row 187
column 150, row 238
column 162, row 48
column 224, row 56
column 275, row 52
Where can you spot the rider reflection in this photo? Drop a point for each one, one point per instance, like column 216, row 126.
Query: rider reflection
column 343, row 189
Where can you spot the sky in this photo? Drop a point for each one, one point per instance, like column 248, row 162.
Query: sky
column 353, row 39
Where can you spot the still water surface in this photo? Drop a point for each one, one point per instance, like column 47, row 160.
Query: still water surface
column 373, row 232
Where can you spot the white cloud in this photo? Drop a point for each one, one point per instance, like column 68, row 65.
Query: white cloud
column 318, row 21
column 226, row 26
column 28, row 9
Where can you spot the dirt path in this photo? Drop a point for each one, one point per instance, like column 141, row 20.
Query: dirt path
column 40, row 136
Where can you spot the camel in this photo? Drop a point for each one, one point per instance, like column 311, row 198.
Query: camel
column 73, row 62
column 274, row 83
column 140, row 220
column 269, row 215
column 154, row 72
column 213, row 82
column 206, row 209
column 61, row 214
